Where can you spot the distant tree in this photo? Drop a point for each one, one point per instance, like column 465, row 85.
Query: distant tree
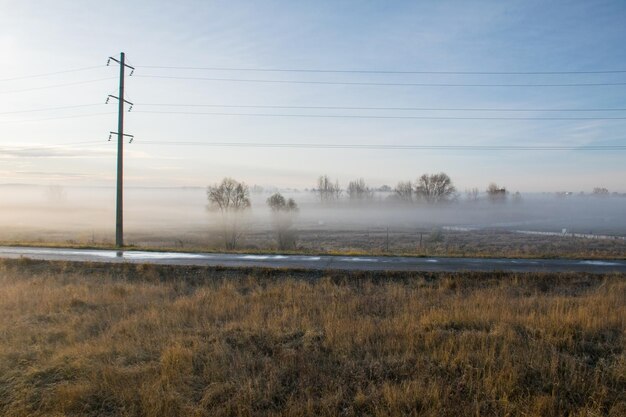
column 517, row 197
column 600, row 192
column 56, row 194
column 404, row 191
column 472, row 195
column 435, row 188
column 359, row 191
column 231, row 198
column 283, row 214
column 385, row 189
column 256, row 189
column 496, row 194
column 327, row 190
column 278, row 203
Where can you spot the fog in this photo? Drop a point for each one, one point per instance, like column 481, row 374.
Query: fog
column 81, row 214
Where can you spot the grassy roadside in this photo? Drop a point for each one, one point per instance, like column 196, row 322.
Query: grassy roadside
column 146, row 340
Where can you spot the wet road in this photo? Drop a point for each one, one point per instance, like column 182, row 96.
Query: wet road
column 353, row 263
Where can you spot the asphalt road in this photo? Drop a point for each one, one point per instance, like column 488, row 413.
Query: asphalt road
column 352, row 263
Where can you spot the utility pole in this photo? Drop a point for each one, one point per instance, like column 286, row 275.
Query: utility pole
column 119, row 205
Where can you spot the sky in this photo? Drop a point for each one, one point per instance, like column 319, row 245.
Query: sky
column 68, row 145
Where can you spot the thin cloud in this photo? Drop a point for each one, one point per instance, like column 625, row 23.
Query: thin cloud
column 49, row 152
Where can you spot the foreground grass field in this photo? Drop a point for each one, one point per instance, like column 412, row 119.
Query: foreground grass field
column 135, row 340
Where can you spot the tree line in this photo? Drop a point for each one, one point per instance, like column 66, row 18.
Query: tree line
column 231, row 199
column 429, row 188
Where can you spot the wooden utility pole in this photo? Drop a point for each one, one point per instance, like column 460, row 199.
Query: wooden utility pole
column 119, row 205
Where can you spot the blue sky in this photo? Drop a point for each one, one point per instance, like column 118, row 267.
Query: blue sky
column 40, row 37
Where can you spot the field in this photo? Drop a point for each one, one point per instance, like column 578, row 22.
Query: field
column 367, row 241
column 402, row 241
column 136, row 340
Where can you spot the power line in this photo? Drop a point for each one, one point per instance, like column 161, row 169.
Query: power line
column 362, row 83
column 342, row 71
column 52, row 108
column 490, row 109
column 23, row 77
column 323, row 108
column 56, row 85
column 353, row 116
column 391, row 147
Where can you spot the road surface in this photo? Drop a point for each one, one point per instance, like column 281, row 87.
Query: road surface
column 352, row 263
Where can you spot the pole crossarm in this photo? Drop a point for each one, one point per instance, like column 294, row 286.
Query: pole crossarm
column 132, row 69
column 132, row 137
column 110, row 96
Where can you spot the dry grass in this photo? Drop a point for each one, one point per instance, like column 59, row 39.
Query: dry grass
column 130, row 340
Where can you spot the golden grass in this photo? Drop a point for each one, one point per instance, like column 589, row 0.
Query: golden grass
column 141, row 340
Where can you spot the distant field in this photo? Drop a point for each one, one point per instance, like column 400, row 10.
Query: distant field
column 366, row 240
column 133, row 340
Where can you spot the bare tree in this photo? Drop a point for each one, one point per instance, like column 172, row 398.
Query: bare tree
column 496, row 194
column 56, row 195
column 256, row 189
column 231, row 198
column 600, row 191
column 404, row 191
column 435, row 188
column 472, row 195
column 327, row 190
column 359, row 191
column 283, row 214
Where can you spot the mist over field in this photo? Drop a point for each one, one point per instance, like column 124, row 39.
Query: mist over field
column 83, row 213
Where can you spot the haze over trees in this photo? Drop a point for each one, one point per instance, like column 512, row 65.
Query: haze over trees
column 327, row 190
column 496, row 194
column 472, row 195
column 359, row 191
column 404, row 191
column 231, row 198
column 283, row 212
column 56, row 195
